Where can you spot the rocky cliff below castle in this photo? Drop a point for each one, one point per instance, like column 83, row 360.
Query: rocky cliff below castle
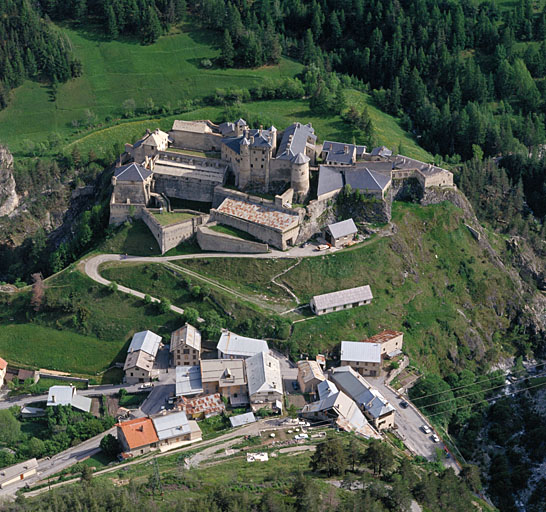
column 9, row 200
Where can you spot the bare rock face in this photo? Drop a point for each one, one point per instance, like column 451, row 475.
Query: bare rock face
column 9, row 200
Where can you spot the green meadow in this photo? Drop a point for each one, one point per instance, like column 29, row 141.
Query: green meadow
column 168, row 72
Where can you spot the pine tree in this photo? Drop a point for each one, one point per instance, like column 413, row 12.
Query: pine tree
column 111, row 22
column 151, row 28
column 227, row 52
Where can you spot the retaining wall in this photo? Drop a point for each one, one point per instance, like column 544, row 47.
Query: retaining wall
column 210, row 240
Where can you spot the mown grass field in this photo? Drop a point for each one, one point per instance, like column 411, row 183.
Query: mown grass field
column 44, row 347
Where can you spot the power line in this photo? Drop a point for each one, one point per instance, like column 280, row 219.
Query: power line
column 467, row 385
column 474, row 393
column 486, row 400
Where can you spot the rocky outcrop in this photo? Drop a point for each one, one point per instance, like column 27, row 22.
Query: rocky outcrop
column 9, row 200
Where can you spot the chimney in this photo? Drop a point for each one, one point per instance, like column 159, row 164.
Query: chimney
column 346, row 149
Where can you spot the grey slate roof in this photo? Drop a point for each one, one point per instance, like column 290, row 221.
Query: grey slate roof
column 335, row 152
column 360, row 351
column 330, row 179
column 171, row 425
column 147, row 341
column 234, row 345
column 370, row 399
column 188, row 380
column 132, row 172
column 263, row 373
column 294, row 140
column 343, row 228
column 342, row 297
column 326, row 388
column 67, row 395
column 242, row 419
column 187, row 334
column 364, row 179
column 383, row 151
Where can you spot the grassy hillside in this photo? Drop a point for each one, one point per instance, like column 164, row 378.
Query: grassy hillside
column 168, row 71
column 114, row 71
column 431, row 280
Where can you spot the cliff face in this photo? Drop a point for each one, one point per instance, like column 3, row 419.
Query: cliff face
column 9, row 200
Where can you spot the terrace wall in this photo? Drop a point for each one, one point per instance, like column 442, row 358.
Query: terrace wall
column 210, row 240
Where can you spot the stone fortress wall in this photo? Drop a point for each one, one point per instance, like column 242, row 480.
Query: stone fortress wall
column 210, row 240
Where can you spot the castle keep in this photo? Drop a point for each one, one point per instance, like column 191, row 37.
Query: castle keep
column 231, row 170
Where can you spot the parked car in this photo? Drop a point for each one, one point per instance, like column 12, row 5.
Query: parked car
column 435, row 438
column 146, row 385
column 295, row 385
column 404, row 404
column 426, row 429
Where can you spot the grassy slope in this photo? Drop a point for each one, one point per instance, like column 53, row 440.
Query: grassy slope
column 114, row 71
column 167, row 72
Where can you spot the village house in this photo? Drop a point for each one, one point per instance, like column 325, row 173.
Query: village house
column 185, row 346
column 174, row 430
column 188, row 380
column 227, row 377
column 373, row 404
column 391, row 342
column 137, row 437
column 233, row 346
column 149, row 145
column 341, row 411
column 309, row 376
column 139, row 364
column 3, row 371
column 343, row 299
column 68, row 395
column 263, row 373
column 18, row 472
column 341, row 233
column 363, row 357
column 202, row 406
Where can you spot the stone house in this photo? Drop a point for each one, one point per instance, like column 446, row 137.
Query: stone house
column 174, row 430
column 373, row 404
column 137, row 436
column 199, row 135
column 227, row 377
column 343, row 299
column 390, row 341
column 139, row 364
column 341, row 233
column 363, row 357
column 263, row 372
column 309, row 376
column 149, row 145
column 340, row 153
column 185, row 346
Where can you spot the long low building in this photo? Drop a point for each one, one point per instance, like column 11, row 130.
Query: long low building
column 18, row 472
column 343, row 299
column 234, row 346
column 276, row 227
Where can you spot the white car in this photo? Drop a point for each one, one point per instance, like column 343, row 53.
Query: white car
column 426, row 429
column 299, row 437
column 435, row 438
column 146, row 385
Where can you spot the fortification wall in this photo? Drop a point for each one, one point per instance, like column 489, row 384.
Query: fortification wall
column 317, row 215
column 210, row 240
column 170, row 236
column 220, row 193
column 191, row 189
column 132, row 190
column 198, row 141
column 120, row 212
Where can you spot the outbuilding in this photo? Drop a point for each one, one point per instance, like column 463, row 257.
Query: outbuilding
column 341, row 233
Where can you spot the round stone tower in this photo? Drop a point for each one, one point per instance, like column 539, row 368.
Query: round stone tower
column 299, row 179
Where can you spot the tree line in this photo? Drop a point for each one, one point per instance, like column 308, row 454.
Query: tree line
column 31, row 49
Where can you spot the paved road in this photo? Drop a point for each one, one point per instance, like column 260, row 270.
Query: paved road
column 409, row 422
column 49, row 467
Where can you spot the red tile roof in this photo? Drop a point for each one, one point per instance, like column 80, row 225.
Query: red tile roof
column 384, row 336
column 3, row 364
column 209, row 404
column 138, row 432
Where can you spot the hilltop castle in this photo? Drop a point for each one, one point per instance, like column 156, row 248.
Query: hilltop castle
column 248, row 178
